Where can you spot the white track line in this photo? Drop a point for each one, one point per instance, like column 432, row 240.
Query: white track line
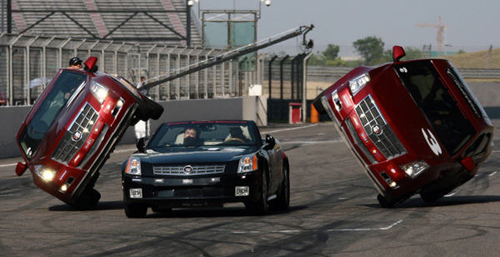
column 288, row 129
column 328, row 230
column 367, row 229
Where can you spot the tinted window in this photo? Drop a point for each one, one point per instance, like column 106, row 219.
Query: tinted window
column 432, row 96
column 62, row 90
column 205, row 134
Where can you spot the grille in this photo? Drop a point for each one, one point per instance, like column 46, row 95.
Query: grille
column 183, row 170
column 77, row 134
column 377, row 129
column 358, row 142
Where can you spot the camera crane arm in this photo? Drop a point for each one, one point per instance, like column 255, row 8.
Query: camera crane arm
column 302, row 30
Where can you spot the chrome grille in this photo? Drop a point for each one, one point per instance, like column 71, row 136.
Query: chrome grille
column 83, row 124
column 377, row 129
column 358, row 142
column 185, row 170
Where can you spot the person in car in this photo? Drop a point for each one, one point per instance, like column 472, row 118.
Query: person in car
column 75, row 63
column 190, row 136
column 236, row 134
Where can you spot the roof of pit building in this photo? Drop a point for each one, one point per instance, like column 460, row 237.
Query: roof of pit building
column 145, row 21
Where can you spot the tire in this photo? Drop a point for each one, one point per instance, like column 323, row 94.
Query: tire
column 384, row 203
column 149, row 109
column 161, row 210
column 282, row 202
column 156, row 110
column 135, row 210
column 431, row 196
column 261, row 206
column 87, row 200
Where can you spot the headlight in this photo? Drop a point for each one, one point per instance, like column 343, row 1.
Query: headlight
column 358, row 83
column 413, row 169
column 133, row 166
column 47, row 174
column 100, row 92
column 248, row 163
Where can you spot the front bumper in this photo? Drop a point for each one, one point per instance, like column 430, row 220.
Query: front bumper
column 192, row 191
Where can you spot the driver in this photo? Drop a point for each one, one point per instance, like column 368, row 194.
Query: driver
column 236, row 134
column 190, row 136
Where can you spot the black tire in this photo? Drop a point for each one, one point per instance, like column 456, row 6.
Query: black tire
column 155, row 109
column 282, row 201
column 384, row 203
column 261, row 206
column 431, row 196
column 161, row 210
column 87, row 200
column 135, row 210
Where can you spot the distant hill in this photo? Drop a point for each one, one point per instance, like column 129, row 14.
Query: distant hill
column 476, row 60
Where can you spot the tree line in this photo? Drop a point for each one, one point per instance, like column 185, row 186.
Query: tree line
column 370, row 48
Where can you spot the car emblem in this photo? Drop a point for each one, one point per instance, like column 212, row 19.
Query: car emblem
column 377, row 130
column 188, row 169
column 77, row 136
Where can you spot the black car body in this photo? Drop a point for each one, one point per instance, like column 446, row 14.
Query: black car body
column 215, row 168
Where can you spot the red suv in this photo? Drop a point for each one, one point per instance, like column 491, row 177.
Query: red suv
column 73, row 127
column 415, row 126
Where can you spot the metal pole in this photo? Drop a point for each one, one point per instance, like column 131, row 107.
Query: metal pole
column 281, row 75
column 304, row 87
column 9, row 16
column 188, row 24
column 3, row 15
column 270, row 75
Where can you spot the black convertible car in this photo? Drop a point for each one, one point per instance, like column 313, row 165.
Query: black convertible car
column 206, row 164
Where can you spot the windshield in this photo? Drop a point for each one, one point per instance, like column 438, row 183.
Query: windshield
column 62, row 90
column 432, row 96
column 190, row 134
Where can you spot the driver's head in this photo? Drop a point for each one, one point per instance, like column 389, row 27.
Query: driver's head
column 190, row 136
column 236, row 132
column 190, row 132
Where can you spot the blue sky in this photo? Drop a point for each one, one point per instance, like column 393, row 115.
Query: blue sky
column 471, row 25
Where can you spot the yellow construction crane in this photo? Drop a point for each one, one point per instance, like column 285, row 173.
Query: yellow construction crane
column 441, row 28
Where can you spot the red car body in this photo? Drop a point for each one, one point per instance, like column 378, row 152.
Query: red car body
column 414, row 125
column 73, row 127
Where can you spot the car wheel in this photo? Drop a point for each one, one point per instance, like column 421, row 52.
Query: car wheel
column 161, row 210
column 87, row 200
column 156, row 110
column 384, row 203
column 135, row 210
column 259, row 207
column 282, row 202
column 431, row 196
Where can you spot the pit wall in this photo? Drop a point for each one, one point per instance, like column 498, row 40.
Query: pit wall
column 246, row 108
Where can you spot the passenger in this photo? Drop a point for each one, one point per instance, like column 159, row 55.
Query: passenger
column 236, row 134
column 75, row 63
column 190, row 136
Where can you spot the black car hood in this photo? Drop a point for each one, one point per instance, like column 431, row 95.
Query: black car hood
column 171, row 155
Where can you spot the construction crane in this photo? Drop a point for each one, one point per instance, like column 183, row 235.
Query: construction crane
column 441, row 28
column 233, row 54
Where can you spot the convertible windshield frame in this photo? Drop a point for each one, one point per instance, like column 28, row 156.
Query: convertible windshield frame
column 209, row 134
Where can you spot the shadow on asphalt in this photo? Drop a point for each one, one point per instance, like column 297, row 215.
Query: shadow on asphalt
column 179, row 213
column 101, row 206
column 444, row 201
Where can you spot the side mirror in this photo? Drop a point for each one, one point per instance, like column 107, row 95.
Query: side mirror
column 398, row 52
column 90, row 64
column 141, row 144
column 21, row 168
column 270, row 141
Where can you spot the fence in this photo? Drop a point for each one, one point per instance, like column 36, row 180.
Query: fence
column 27, row 63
